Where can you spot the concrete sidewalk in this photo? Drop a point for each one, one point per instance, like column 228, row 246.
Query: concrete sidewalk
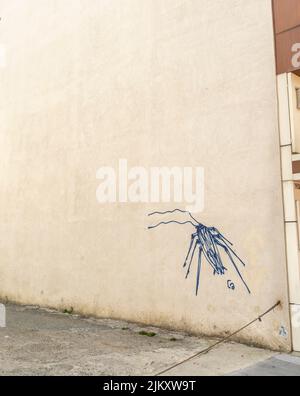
column 280, row 365
column 45, row 342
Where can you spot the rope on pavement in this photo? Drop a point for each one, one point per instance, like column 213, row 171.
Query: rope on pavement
column 205, row 351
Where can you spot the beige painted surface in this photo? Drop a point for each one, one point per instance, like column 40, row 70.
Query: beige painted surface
column 161, row 83
column 284, row 109
column 289, row 124
column 295, row 315
column 294, row 84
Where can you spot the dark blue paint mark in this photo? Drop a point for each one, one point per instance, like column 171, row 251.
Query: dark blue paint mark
column 210, row 242
column 230, row 285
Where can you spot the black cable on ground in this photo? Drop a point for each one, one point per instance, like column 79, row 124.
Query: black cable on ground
column 205, row 351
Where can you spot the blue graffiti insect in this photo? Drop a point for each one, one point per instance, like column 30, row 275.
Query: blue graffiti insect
column 209, row 242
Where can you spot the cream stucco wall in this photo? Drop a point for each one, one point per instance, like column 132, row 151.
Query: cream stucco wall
column 294, row 84
column 161, row 83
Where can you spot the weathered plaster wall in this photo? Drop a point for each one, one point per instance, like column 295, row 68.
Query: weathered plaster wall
column 161, row 83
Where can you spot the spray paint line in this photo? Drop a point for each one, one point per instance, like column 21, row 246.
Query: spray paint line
column 210, row 243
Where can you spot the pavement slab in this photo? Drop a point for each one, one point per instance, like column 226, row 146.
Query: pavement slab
column 278, row 366
column 44, row 342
